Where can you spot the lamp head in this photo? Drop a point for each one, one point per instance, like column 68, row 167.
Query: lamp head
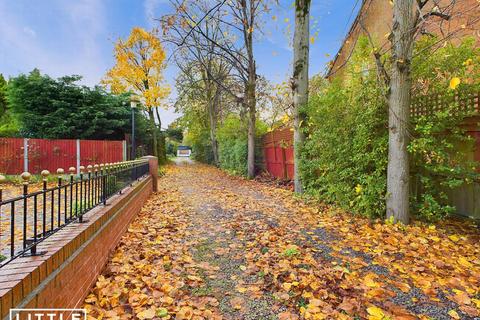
column 134, row 101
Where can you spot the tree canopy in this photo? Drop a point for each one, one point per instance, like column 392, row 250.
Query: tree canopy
column 61, row 108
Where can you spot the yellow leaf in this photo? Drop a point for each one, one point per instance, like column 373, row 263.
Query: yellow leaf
column 477, row 302
column 452, row 313
column 454, row 237
column 358, row 189
column 369, row 282
column 454, row 83
column 375, row 313
column 185, row 313
column 146, row 314
column 312, row 39
column 464, row 262
column 286, row 286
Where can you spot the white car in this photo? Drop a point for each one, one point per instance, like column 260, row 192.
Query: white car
column 184, row 151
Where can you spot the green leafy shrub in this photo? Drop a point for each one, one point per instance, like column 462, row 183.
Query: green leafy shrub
column 199, row 140
column 232, row 144
column 344, row 158
column 9, row 126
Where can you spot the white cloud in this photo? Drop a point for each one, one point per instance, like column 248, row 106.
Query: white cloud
column 150, row 8
column 29, row 31
column 22, row 48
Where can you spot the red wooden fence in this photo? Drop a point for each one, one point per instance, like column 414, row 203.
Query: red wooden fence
column 53, row 154
column 278, row 150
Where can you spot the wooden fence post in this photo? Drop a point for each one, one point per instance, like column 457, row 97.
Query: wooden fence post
column 284, row 163
column 124, row 150
column 78, row 155
column 25, row 155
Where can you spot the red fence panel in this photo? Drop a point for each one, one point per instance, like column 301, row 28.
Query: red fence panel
column 53, row 154
column 279, row 154
column 11, row 155
column 98, row 151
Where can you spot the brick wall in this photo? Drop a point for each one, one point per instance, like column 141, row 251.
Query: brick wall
column 74, row 256
column 376, row 16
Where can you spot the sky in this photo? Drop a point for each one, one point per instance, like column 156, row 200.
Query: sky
column 64, row 37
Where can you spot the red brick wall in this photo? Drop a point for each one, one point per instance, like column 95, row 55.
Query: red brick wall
column 377, row 15
column 75, row 257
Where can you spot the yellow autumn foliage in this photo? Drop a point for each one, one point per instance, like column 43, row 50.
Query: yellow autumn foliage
column 140, row 62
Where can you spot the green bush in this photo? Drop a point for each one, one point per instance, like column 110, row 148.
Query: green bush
column 345, row 156
column 9, row 126
column 199, row 141
column 233, row 144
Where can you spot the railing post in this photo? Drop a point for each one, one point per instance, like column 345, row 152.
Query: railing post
column 72, row 171
column 80, row 216
column 103, row 195
column 60, row 172
column 45, row 174
column 2, row 181
column 96, row 186
column 26, row 178
column 89, row 182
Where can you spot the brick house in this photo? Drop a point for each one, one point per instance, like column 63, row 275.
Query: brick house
column 375, row 16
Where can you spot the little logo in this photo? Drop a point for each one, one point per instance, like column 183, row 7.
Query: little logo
column 48, row 314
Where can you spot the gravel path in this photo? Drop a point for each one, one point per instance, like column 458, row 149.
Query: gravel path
column 241, row 238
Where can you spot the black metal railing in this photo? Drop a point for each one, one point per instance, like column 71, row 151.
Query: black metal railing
column 32, row 217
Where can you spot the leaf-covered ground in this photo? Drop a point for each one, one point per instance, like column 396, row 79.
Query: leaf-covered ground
column 211, row 246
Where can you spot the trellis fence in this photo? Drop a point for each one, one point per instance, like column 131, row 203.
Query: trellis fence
column 33, row 155
column 462, row 102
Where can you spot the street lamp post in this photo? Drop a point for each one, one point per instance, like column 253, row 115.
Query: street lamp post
column 133, row 106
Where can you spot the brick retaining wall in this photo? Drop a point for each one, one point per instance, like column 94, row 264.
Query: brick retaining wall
column 62, row 277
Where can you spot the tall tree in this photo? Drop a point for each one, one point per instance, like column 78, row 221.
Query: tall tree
column 60, row 108
column 203, row 71
column 3, row 95
column 243, row 19
column 140, row 62
column 410, row 17
column 301, row 48
column 398, row 173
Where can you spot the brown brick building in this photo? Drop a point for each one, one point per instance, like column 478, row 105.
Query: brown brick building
column 375, row 16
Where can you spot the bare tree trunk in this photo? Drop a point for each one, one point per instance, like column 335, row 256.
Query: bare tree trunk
column 251, row 105
column 159, row 121
column 398, row 175
column 154, row 131
column 300, row 81
column 162, row 155
column 212, row 114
